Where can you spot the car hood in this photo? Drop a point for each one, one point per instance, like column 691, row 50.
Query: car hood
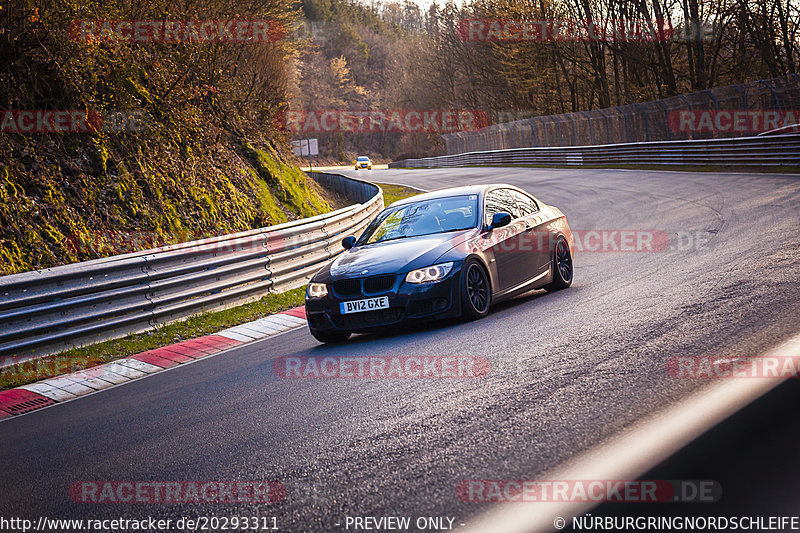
column 397, row 256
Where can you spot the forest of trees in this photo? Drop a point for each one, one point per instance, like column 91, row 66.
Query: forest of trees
column 207, row 160
column 358, row 56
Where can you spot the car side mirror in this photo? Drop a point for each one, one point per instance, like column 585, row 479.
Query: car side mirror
column 348, row 242
column 500, row 219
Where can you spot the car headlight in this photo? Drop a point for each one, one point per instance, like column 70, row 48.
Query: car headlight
column 428, row 274
column 316, row 290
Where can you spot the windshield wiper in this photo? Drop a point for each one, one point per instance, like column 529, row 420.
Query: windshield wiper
column 392, row 239
column 421, row 235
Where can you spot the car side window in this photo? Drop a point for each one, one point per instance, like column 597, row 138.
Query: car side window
column 527, row 205
column 497, row 201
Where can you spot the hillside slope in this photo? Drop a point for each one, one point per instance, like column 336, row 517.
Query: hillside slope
column 178, row 141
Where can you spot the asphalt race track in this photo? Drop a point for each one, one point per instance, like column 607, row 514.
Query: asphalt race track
column 568, row 369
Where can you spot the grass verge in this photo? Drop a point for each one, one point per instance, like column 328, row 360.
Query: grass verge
column 393, row 193
column 203, row 324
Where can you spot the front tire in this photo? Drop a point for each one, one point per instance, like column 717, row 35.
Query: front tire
column 476, row 291
column 562, row 266
column 330, row 337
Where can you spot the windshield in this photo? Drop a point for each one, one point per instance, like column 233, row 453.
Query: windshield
column 423, row 218
column 363, row 158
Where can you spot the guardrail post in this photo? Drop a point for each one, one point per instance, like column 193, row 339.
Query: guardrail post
column 716, row 107
column 625, row 118
column 644, row 117
column 574, row 129
column 774, row 94
column 608, row 126
column 714, row 99
column 533, row 131
column 660, row 104
column 589, row 120
column 682, row 97
column 738, row 89
column 546, row 135
column 560, row 135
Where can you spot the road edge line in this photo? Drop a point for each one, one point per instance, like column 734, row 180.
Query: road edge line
column 65, row 388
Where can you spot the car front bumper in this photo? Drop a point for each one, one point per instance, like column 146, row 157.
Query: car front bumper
column 407, row 302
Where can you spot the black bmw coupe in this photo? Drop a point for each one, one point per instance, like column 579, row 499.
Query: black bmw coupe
column 448, row 253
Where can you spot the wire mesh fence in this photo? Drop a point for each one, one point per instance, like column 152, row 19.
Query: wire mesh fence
column 722, row 112
column 762, row 151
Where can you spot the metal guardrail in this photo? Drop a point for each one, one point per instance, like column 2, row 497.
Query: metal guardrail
column 47, row 311
column 760, row 151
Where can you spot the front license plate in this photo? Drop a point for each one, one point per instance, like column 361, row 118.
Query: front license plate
column 367, row 304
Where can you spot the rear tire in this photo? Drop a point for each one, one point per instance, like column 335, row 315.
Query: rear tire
column 476, row 291
column 562, row 266
column 330, row 337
